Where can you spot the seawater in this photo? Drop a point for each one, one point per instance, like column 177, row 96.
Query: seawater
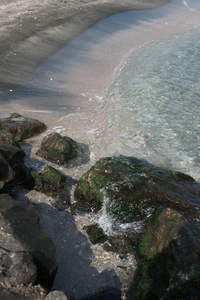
column 153, row 105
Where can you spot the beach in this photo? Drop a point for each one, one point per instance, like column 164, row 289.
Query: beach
column 31, row 31
column 54, row 70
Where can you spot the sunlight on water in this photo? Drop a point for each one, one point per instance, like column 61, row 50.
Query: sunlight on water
column 154, row 105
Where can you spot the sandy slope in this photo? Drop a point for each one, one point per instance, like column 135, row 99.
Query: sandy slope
column 31, row 30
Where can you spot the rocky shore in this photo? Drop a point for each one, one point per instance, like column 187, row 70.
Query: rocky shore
column 158, row 259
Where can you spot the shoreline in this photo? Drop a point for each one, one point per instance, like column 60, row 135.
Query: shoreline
column 31, row 33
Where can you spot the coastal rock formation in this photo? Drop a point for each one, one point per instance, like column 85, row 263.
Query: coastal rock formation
column 20, row 232
column 14, row 156
column 168, row 203
column 6, row 172
column 17, row 268
column 169, row 252
column 19, row 128
column 57, row 149
column 50, row 181
column 131, row 189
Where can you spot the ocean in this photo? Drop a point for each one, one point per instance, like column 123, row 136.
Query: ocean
column 153, row 105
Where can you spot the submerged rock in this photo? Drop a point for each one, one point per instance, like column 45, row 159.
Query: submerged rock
column 57, row 149
column 20, row 128
column 20, row 232
column 169, row 252
column 132, row 189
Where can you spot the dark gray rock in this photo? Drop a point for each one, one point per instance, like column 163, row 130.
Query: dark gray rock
column 169, row 252
column 6, row 172
column 14, row 156
column 20, row 232
column 17, row 268
column 58, row 295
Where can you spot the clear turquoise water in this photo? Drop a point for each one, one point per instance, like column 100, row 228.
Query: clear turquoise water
column 154, row 105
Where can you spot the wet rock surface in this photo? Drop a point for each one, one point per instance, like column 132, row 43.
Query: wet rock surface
column 57, row 149
column 131, row 189
column 169, row 257
column 20, row 128
column 6, row 172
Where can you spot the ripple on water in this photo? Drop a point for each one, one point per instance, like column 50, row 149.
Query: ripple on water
column 154, row 105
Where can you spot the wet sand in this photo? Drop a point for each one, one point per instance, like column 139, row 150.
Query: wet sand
column 32, row 30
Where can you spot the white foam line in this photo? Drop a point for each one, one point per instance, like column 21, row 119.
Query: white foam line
column 39, row 111
column 185, row 3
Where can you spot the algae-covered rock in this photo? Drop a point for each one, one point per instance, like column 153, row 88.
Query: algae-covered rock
column 49, row 181
column 20, row 128
column 57, row 149
column 169, row 252
column 95, row 233
column 132, row 188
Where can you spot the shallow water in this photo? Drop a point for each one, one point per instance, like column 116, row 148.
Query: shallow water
column 153, row 106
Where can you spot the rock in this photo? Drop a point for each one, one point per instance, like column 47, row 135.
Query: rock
column 17, row 268
column 6, row 137
column 8, row 295
column 14, row 156
column 95, row 233
column 20, row 232
column 131, row 189
column 57, row 149
column 169, row 252
column 6, row 172
column 50, row 180
column 121, row 245
column 58, row 295
column 107, row 294
column 20, row 128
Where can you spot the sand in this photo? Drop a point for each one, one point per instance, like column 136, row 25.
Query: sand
column 32, row 30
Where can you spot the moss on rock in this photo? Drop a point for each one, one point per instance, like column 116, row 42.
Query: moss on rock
column 133, row 188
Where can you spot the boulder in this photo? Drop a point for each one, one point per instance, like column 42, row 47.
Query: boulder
column 17, row 268
column 20, row 128
column 131, row 189
column 20, row 232
column 95, row 233
column 14, row 156
column 169, row 251
column 6, row 172
column 57, row 149
column 58, row 295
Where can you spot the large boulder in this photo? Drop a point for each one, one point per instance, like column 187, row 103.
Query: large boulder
column 14, row 156
column 131, row 189
column 58, row 149
column 17, row 268
column 6, row 172
column 20, row 232
column 169, row 252
column 20, row 128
